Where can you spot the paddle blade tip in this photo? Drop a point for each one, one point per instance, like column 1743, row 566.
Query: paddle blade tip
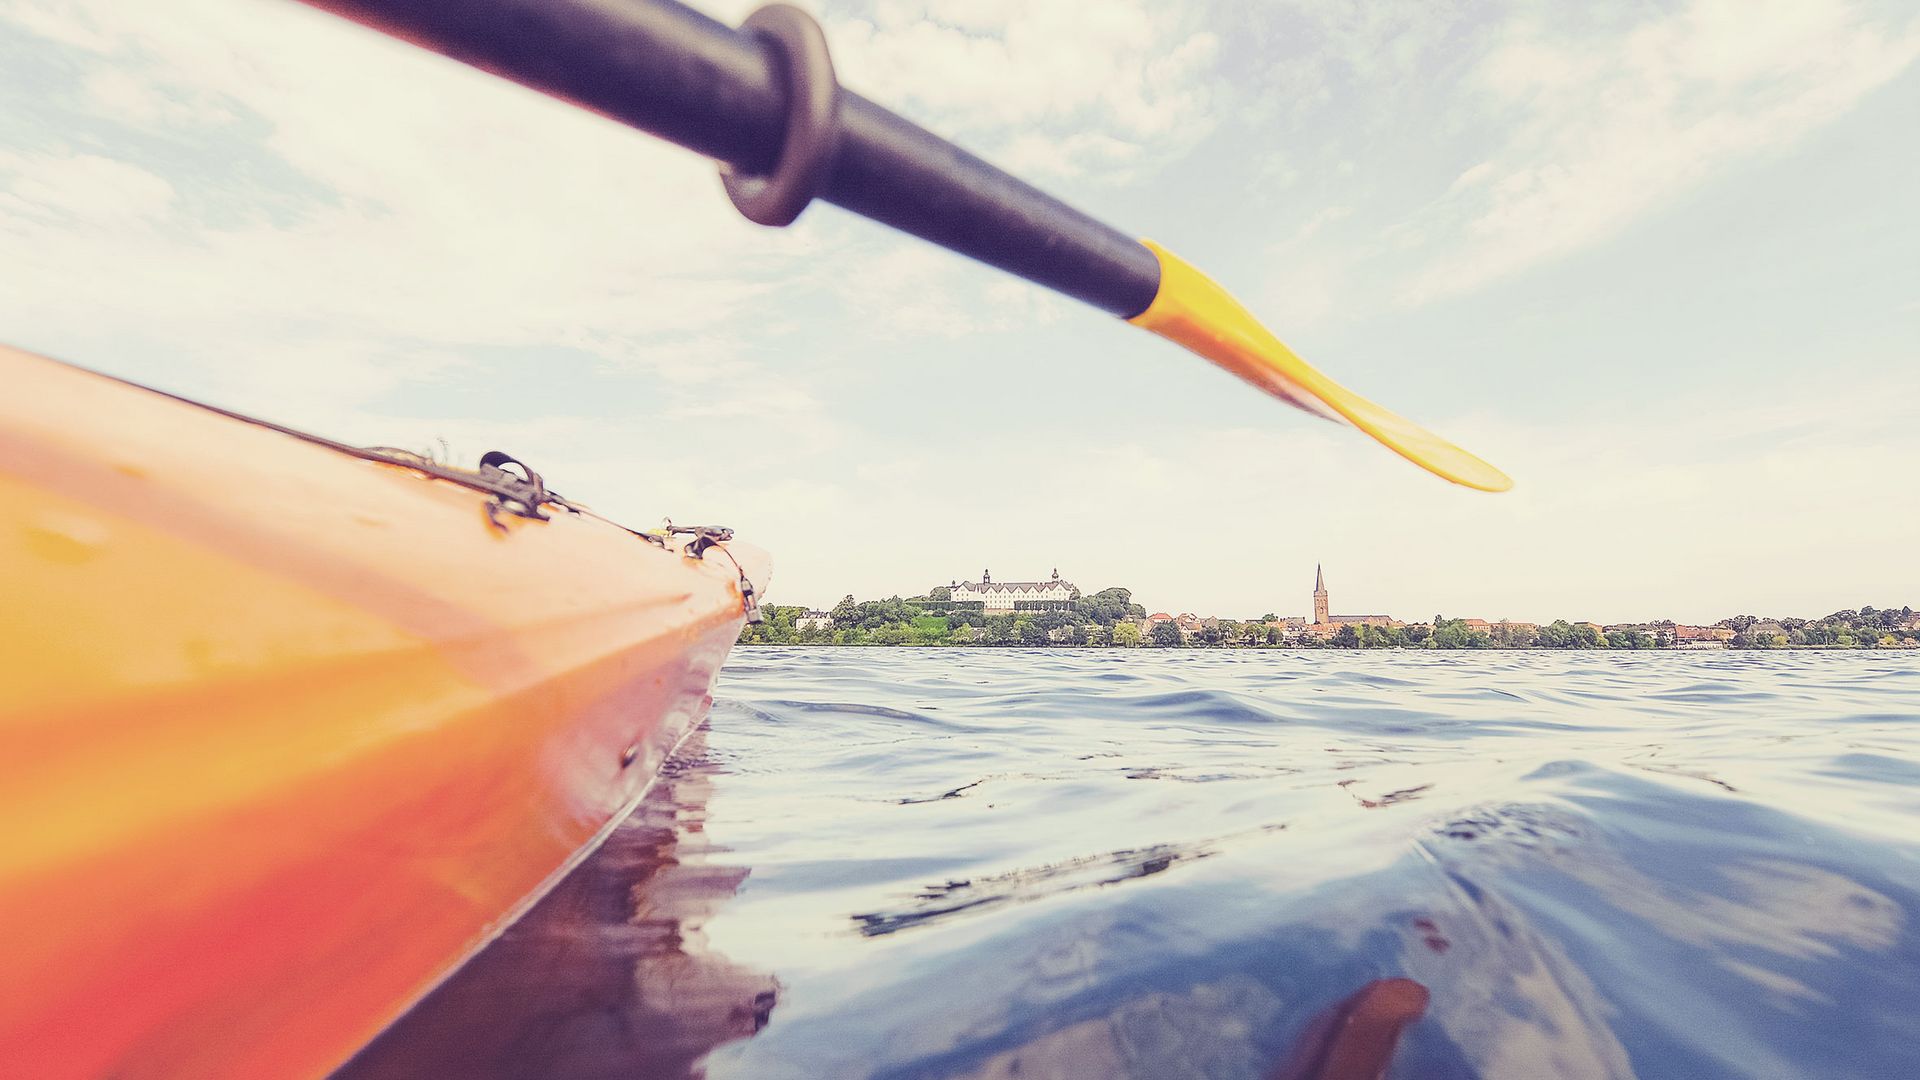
column 1194, row 311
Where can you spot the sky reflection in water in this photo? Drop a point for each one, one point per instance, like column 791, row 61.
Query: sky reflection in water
column 1047, row 864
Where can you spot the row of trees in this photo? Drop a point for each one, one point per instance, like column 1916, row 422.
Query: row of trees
column 1442, row 633
column 1110, row 618
column 1860, row 628
column 881, row 623
column 1104, row 618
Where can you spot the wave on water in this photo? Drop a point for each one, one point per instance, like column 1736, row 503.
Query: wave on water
column 901, row 864
column 1107, row 863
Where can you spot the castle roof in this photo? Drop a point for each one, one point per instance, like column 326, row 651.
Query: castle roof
column 986, row 584
column 1012, row 586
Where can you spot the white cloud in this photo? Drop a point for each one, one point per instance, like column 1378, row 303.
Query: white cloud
column 65, row 23
column 390, row 202
column 1694, row 509
column 1608, row 124
column 903, row 290
column 80, row 191
column 344, row 188
column 1055, row 88
column 332, row 217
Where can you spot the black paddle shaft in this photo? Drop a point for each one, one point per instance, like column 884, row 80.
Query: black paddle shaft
column 668, row 70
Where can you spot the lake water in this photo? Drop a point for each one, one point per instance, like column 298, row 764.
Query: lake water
column 897, row 863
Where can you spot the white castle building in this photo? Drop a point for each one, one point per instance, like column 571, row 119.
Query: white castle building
column 1004, row 595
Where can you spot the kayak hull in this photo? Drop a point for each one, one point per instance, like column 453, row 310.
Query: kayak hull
column 287, row 734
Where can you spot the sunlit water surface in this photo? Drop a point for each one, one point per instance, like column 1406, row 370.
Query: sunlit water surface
column 1598, row 865
column 997, row 864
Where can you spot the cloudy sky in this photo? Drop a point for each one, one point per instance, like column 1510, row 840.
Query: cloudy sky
column 1660, row 261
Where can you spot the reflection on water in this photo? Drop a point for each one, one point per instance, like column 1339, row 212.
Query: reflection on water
column 608, row 975
column 971, row 864
column 1111, row 868
column 1356, row 1039
column 979, row 864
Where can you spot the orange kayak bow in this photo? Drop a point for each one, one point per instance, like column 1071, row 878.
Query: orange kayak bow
column 287, row 733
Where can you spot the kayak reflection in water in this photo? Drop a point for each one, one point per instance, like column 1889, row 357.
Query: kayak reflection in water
column 605, row 976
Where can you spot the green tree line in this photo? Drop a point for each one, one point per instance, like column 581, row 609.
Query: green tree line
column 1109, row 618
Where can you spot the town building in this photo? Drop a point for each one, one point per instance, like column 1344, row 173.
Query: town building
column 1013, row 595
column 813, row 620
column 1322, row 619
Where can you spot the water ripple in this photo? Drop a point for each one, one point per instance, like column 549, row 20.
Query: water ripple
column 990, row 864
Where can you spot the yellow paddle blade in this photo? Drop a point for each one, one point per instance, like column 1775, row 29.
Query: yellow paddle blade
column 1191, row 309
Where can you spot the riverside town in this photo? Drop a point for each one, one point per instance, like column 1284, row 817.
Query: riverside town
column 1055, row 613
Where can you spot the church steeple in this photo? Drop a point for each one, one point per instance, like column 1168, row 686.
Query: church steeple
column 1319, row 596
column 1319, row 581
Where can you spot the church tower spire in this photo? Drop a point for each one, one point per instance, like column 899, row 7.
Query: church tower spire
column 1319, row 596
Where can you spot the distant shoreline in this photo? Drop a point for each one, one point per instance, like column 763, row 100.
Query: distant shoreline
column 1110, row 619
column 1908, row 645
